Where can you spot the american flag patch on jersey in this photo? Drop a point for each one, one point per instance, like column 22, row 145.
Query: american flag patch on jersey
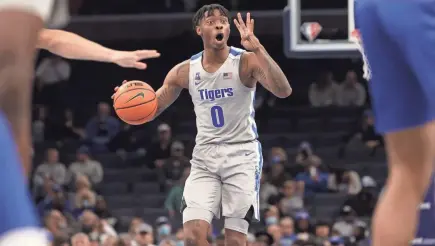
column 228, row 75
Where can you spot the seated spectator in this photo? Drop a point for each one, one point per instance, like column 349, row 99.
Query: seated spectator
column 323, row 92
column 347, row 222
column 175, row 196
column 144, row 235
column 128, row 140
column 277, row 174
column 315, row 181
column 277, row 155
column 95, row 227
column 264, row 239
column 359, row 236
column 52, row 169
column 125, row 239
column 271, row 216
column 40, row 125
column 134, row 224
column 56, row 224
column 275, row 231
column 350, row 92
column 303, row 224
column 69, row 128
column 345, row 181
column 306, row 157
column 110, row 241
column 292, row 200
column 288, row 232
column 364, row 202
column 80, row 239
column 160, row 150
column 365, row 133
column 267, row 190
column 103, row 212
column 85, row 199
column 172, row 169
column 164, row 230
column 86, row 166
column 102, row 128
column 55, row 199
column 322, row 232
column 179, row 236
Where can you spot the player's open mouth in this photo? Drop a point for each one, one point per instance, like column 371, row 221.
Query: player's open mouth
column 219, row 37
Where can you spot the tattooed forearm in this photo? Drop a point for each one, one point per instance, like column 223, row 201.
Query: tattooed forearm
column 172, row 87
column 166, row 95
column 270, row 74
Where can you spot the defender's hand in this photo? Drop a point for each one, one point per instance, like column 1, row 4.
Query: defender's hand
column 132, row 59
column 249, row 40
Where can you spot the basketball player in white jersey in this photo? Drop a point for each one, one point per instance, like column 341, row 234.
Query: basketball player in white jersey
column 227, row 159
column 21, row 22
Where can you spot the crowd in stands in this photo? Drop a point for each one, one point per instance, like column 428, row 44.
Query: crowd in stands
column 70, row 191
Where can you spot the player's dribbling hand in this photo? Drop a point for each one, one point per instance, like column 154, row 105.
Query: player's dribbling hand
column 249, row 40
column 117, row 88
column 132, row 59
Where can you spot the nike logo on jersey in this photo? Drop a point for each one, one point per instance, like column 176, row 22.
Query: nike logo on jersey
column 248, row 154
column 197, row 83
column 212, row 95
column 140, row 94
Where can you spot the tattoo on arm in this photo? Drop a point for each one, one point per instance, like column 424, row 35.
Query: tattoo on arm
column 168, row 94
column 172, row 87
column 270, row 74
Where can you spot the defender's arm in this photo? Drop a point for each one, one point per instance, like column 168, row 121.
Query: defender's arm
column 73, row 46
column 268, row 73
column 175, row 81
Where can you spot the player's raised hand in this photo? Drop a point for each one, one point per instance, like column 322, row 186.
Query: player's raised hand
column 117, row 88
column 132, row 59
column 249, row 40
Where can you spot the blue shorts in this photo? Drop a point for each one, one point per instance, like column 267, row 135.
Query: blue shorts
column 399, row 42
column 16, row 206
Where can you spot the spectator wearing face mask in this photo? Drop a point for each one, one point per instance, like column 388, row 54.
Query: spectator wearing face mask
column 179, row 237
column 172, row 169
column 144, row 235
column 288, row 235
column 164, row 229
column 271, row 215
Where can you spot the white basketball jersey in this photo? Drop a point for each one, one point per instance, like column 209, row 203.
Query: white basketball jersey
column 224, row 107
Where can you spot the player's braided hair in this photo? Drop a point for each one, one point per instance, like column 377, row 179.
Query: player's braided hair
column 200, row 14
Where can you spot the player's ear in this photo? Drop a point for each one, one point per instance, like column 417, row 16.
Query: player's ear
column 198, row 31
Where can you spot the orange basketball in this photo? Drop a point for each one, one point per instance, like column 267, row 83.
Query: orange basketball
column 135, row 102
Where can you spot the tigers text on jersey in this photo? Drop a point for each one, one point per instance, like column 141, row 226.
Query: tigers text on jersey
column 224, row 107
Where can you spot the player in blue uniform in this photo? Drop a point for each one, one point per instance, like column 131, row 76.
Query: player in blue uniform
column 398, row 38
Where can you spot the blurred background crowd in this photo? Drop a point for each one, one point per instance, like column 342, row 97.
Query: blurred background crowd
column 98, row 181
